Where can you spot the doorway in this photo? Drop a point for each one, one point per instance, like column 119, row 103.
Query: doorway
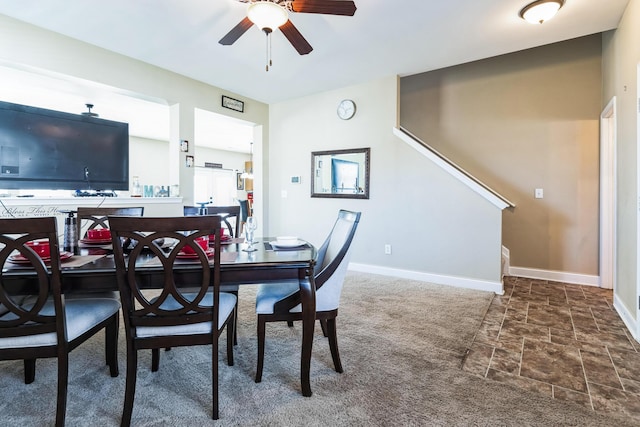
column 230, row 142
column 216, row 186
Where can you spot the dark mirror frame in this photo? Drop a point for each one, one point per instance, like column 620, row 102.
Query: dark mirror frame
column 362, row 192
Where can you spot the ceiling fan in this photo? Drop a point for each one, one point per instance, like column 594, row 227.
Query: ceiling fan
column 271, row 14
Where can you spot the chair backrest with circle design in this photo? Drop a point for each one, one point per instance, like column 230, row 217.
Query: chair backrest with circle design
column 89, row 218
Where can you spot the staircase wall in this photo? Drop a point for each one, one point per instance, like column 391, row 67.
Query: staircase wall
column 519, row 122
column 439, row 229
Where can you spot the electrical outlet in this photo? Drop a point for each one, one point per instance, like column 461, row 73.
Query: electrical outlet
column 387, row 249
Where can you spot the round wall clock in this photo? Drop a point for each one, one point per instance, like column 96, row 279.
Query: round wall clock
column 346, row 109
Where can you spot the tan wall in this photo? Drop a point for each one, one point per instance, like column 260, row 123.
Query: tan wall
column 519, row 122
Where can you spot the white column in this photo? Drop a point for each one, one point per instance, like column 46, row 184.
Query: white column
column 182, row 126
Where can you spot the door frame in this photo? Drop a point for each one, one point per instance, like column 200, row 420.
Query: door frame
column 608, row 171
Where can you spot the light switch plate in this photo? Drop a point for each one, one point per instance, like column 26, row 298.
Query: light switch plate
column 539, row 193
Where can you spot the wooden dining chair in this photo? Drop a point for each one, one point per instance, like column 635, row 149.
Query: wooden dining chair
column 89, row 218
column 47, row 326
column 170, row 316
column 225, row 213
column 281, row 301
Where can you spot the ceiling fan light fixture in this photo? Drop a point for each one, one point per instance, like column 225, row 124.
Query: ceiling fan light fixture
column 541, row 11
column 267, row 15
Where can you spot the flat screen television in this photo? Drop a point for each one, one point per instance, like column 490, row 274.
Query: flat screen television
column 52, row 150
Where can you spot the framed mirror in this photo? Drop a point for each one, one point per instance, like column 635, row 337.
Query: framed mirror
column 340, row 173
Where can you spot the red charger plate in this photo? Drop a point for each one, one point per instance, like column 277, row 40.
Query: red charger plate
column 184, row 255
column 19, row 259
column 88, row 241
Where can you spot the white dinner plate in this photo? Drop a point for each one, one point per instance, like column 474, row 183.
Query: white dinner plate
column 295, row 244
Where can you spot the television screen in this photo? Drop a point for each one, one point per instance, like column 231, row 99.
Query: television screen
column 52, row 150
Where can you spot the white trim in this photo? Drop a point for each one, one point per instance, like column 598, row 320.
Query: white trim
column 608, row 166
column 627, row 317
column 616, row 289
column 506, row 259
column 556, row 276
column 439, row 279
column 487, row 194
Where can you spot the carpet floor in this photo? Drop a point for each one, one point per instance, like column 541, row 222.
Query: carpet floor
column 402, row 345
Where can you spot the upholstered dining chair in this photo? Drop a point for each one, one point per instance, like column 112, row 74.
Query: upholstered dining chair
column 170, row 316
column 281, row 302
column 89, row 218
column 47, row 325
column 244, row 213
column 225, row 213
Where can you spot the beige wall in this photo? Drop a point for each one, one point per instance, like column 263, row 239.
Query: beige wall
column 518, row 122
column 621, row 56
column 149, row 161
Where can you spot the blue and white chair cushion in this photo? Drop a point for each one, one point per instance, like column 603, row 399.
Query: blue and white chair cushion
column 80, row 316
column 227, row 304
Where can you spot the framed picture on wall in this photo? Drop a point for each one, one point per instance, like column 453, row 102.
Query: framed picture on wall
column 239, row 181
column 232, row 104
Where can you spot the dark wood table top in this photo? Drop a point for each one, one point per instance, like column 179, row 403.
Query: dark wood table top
column 237, row 266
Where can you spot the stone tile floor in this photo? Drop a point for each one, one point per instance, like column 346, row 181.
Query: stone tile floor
column 563, row 340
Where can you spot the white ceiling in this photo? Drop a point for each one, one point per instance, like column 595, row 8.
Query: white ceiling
column 384, row 37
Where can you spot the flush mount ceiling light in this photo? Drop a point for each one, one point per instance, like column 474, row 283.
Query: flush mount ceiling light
column 541, row 11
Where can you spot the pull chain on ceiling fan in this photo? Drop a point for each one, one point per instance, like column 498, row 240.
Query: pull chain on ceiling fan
column 267, row 15
column 271, row 14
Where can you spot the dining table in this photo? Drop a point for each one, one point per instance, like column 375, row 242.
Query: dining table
column 91, row 269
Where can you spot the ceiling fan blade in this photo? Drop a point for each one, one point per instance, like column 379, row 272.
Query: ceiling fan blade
column 328, row 7
column 236, row 32
column 295, row 38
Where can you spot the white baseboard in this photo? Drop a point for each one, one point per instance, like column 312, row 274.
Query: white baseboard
column 439, row 279
column 557, row 276
column 632, row 325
